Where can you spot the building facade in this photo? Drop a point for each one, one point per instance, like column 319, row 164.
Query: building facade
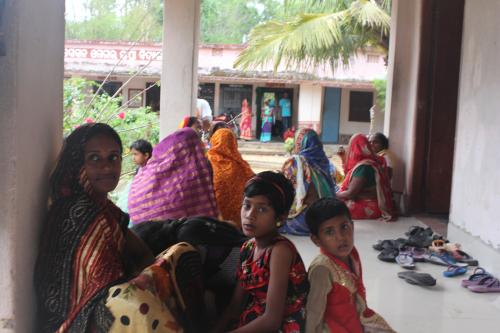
column 339, row 100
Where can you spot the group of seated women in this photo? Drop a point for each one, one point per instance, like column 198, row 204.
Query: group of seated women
column 93, row 274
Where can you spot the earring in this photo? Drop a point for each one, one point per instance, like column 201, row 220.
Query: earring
column 278, row 224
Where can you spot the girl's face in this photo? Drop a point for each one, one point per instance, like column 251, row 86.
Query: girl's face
column 139, row 158
column 336, row 236
column 257, row 217
column 103, row 163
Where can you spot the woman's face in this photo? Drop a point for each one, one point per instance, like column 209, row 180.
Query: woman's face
column 197, row 127
column 257, row 216
column 103, row 163
column 375, row 143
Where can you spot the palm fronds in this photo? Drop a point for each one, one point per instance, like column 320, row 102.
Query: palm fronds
column 329, row 32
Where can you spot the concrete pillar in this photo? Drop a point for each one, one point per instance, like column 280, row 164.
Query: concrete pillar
column 216, row 110
column 31, row 92
column 179, row 79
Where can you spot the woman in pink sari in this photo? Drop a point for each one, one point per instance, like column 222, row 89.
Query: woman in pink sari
column 366, row 189
column 246, row 121
column 176, row 182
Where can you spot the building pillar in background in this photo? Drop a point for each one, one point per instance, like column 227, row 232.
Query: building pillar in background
column 179, row 79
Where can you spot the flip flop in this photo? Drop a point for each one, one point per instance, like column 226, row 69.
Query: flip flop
column 417, row 253
column 486, row 285
column 437, row 246
column 476, row 277
column 443, row 259
column 465, row 258
column 420, row 279
column 405, row 260
column 455, row 271
column 389, row 243
column 388, row 255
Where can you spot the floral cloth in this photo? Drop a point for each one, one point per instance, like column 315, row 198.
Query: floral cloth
column 309, row 171
column 254, row 274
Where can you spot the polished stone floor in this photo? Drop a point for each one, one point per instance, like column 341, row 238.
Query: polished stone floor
column 446, row 307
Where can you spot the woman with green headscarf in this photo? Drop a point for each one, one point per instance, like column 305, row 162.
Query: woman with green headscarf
column 309, row 171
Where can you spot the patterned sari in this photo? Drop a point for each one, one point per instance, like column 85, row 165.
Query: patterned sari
column 267, row 124
column 81, row 254
column 379, row 204
column 175, row 183
column 309, row 171
column 246, row 121
column 231, row 173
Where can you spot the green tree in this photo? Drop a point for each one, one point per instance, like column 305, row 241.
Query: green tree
column 135, row 20
column 131, row 124
column 313, row 32
column 230, row 21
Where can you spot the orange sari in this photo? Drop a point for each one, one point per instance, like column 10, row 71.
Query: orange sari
column 230, row 174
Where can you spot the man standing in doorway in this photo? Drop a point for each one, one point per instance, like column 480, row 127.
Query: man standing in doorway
column 286, row 112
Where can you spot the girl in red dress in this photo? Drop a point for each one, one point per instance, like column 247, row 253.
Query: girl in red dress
column 271, row 272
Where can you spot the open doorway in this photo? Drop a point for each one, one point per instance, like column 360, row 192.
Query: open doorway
column 280, row 101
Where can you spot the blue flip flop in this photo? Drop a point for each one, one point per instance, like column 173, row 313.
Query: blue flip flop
column 455, row 271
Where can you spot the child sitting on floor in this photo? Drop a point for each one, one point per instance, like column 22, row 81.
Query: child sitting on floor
column 276, row 285
column 337, row 298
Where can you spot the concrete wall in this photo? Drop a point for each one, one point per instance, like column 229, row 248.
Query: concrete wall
column 402, row 78
column 310, row 106
column 30, row 133
column 476, row 179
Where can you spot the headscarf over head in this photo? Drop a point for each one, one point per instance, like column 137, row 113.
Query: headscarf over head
column 68, row 177
column 360, row 153
column 231, row 173
column 79, row 255
column 175, row 183
column 360, row 150
column 308, row 166
column 309, row 145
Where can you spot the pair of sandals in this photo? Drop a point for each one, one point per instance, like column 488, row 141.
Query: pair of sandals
column 482, row 282
column 454, row 249
column 421, row 237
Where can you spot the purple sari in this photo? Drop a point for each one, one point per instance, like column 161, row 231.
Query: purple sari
column 175, row 183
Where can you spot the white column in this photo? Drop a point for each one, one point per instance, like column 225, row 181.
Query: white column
column 31, row 92
column 179, row 79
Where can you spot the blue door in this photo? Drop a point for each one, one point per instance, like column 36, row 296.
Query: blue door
column 331, row 115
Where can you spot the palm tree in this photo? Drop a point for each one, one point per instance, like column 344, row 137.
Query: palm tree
column 313, row 32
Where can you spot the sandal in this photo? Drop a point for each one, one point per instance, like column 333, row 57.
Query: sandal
column 486, row 285
column 443, row 259
column 437, row 246
column 417, row 253
column 476, row 277
column 388, row 255
column 389, row 243
column 405, row 260
column 465, row 258
column 455, row 271
column 420, row 279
